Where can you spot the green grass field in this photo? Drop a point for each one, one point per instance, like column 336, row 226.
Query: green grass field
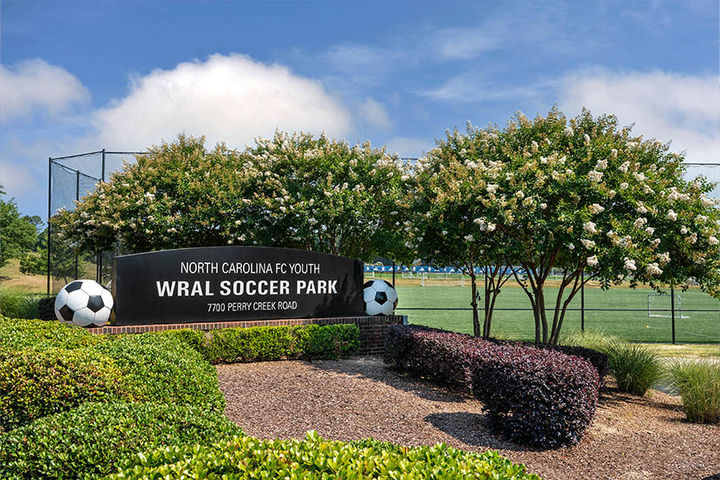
column 637, row 326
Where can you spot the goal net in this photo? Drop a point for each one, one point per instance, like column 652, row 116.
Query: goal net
column 659, row 306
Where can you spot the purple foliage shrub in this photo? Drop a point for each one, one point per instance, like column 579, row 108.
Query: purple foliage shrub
column 537, row 397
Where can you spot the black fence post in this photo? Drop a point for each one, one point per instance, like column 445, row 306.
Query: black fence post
column 582, row 301
column 48, row 221
column 77, row 198
column 393, row 265
column 672, row 311
column 99, row 271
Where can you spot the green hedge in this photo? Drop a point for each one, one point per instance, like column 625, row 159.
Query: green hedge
column 89, row 441
column 18, row 333
column 35, row 383
column 315, row 458
column 164, row 369
column 233, row 345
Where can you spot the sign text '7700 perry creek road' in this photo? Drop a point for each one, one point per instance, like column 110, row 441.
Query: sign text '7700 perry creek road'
column 234, row 283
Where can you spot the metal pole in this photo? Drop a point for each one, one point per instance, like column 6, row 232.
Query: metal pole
column 77, row 197
column 393, row 273
column 48, row 221
column 582, row 301
column 672, row 311
column 100, row 256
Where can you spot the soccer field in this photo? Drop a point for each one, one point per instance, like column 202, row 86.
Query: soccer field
column 635, row 325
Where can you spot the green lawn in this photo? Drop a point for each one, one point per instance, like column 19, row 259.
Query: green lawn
column 700, row 327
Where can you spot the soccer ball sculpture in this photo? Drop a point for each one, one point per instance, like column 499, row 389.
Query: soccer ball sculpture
column 85, row 303
column 380, row 297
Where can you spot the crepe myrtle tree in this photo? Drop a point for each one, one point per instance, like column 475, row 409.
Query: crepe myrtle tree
column 289, row 191
column 586, row 197
column 448, row 226
column 320, row 194
column 177, row 195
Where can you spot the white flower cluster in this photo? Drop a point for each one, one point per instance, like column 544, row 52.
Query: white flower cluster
column 630, row 265
column 591, row 228
column 596, row 208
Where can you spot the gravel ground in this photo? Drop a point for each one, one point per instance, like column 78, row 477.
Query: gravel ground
column 631, row 437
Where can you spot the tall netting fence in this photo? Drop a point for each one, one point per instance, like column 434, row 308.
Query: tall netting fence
column 70, row 179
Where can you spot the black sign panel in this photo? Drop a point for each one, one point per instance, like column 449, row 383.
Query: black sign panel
column 234, row 283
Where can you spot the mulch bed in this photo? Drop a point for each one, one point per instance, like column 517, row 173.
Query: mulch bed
column 631, row 437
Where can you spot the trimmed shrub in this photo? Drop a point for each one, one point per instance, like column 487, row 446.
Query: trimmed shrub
column 542, row 398
column 539, row 397
column 332, row 341
column 46, row 308
column 698, row 383
column 89, row 441
column 315, row 458
column 164, row 369
column 598, row 359
column 193, row 338
column 234, row 345
column 36, row 383
column 443, row 357
column 19, row 333
column 635, row 367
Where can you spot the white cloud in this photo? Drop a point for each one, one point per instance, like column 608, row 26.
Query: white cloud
column 374, row 113
column 462, row 43
column 35, row 85
column 227, row 98
column 472, row 87
column 666, row 106
column 684, row 109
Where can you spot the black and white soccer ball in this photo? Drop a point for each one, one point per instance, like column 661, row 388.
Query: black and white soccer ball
column 380, row 297
column 85, row 303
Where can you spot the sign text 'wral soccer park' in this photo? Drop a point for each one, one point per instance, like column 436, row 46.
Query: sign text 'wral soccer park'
column 234, row 283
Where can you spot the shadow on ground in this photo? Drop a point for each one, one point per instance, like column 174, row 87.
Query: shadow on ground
column 374, row 369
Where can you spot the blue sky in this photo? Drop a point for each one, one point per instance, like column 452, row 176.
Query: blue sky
column 83, row 75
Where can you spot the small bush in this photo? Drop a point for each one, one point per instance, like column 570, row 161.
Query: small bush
column 164, row 369
column 635, row 367
column 89, row 441
column 538, row 397
column 18, row 304
column 37, row 383
column 698, row 383
column 46, row 308
column 315, row 458
column 233, row 345
column 19, row 333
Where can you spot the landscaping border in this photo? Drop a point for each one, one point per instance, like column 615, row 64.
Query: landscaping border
column 372, row 329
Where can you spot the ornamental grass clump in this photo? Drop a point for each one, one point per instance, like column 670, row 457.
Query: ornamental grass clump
column 698, row 383
column 635, row 367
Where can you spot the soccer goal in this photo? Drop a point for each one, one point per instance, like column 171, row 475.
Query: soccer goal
column 444, row 279
column 659, row 306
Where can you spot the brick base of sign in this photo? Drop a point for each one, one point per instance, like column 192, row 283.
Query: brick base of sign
column 372, row 329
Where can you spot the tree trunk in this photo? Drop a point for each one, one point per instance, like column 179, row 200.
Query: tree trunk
column 473, row 289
